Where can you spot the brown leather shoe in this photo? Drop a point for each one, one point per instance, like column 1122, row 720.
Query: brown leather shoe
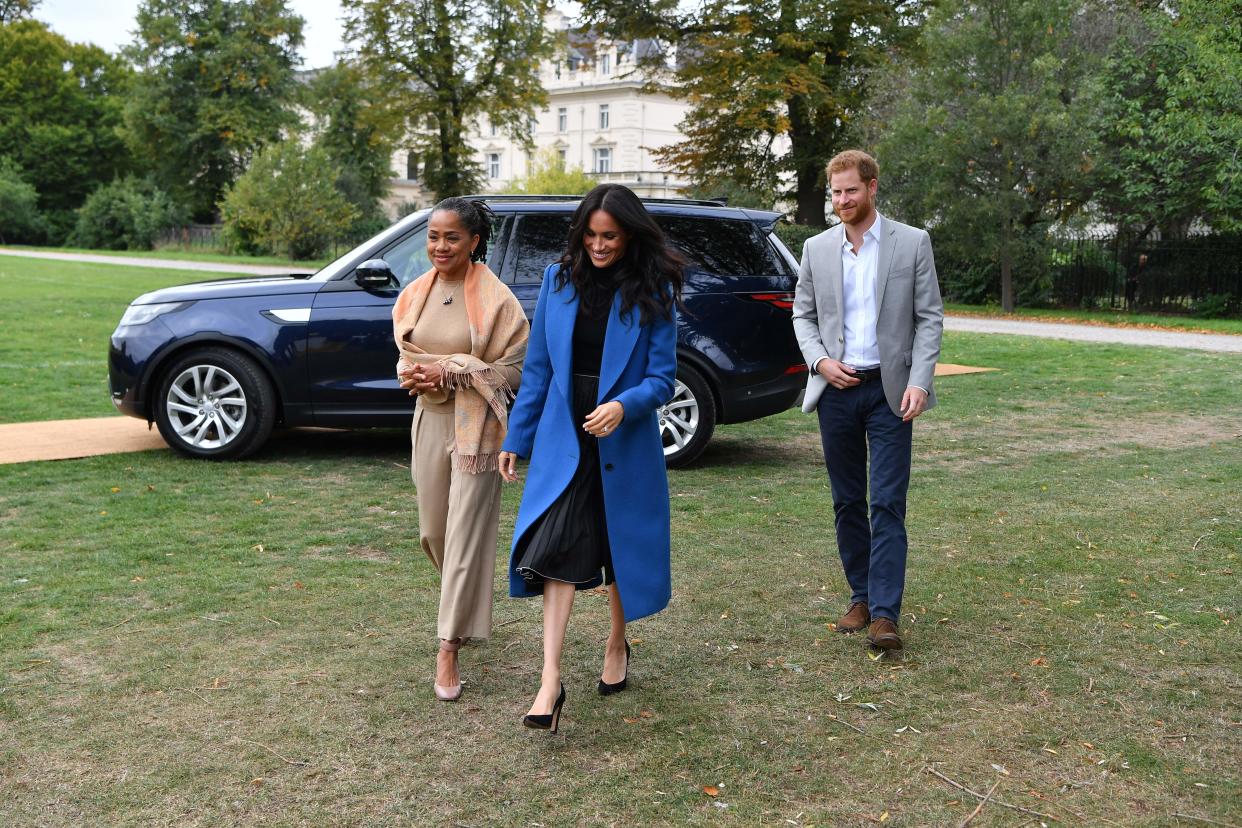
column 883, row 634
column 855, row 618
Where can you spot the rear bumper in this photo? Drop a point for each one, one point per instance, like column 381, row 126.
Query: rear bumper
column 738, row 405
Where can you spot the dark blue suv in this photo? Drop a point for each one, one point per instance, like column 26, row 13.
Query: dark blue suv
column 217, row 365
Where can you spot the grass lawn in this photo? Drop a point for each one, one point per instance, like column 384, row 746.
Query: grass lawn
column 1101, row 317
column 203, row 644
column 55, row 320
column 192, row 255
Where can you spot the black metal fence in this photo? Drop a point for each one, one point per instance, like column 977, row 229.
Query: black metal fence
column 193, row 237
column 1202, row 274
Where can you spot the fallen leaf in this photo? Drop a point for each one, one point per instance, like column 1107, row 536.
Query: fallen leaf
column 711, row 790
column 884, row 817
column 116, row 489
column 1039, row 662
column 257, row 782
column 629, row 720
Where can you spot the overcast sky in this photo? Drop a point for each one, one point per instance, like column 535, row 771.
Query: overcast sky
column 110, row 23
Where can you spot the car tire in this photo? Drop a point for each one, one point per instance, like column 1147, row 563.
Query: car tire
column 215, row 404
column 688, row 419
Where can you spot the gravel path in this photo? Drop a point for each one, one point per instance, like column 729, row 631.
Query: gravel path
column 166, row 264
column 1096, row 333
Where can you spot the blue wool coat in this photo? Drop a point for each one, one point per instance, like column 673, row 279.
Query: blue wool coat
column 638, row 370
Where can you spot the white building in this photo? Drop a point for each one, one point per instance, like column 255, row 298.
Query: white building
column 598, row 118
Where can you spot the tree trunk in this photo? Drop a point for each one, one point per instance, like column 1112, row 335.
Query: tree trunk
column 812, row 195
column 1006, row 263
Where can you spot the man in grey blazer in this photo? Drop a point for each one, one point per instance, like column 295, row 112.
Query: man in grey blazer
column 868, row 317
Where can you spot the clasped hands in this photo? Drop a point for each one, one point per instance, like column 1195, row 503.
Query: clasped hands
column 600, row 423
column 419, row 379
column 840, row 375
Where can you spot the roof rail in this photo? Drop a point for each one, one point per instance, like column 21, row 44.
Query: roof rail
column 702, row 202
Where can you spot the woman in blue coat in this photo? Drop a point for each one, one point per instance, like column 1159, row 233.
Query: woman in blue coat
column 602, row 358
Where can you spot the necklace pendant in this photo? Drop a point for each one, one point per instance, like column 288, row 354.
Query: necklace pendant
column 447, row 301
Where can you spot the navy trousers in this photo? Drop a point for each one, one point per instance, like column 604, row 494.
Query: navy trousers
column 853, row 423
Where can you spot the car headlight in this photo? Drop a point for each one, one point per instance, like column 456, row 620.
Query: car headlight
column 142, row 314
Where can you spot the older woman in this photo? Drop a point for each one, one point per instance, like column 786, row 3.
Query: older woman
column 595, row 508
column 462, row 336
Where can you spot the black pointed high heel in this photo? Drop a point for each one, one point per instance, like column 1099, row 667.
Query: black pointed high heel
column 547, row 721
column 606, row 689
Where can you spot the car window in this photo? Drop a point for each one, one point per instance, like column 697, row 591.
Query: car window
column 408, row 257
column 727, row 247
column 540, row 240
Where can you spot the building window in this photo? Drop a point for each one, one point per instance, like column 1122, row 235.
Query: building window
column 411, row 166
column 560, row 154
column 493, row 165
column 556, row 68
column 603, row 160
column 603, row 116
column 605, row 64
column 562, row 119
column 495, row 130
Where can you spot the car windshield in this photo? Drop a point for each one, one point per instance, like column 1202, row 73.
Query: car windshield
column 331, row 271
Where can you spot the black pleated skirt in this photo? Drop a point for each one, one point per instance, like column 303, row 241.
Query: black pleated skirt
column 569, row 542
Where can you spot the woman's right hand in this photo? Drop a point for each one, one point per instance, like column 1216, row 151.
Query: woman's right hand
column 508, row 466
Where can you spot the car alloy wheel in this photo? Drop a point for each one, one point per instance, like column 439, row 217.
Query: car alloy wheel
column 679, row 419
column 206, row 406
column 215, row 403
column 688, row 419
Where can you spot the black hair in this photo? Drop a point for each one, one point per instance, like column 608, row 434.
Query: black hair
column 477, row 217
column 649, row 275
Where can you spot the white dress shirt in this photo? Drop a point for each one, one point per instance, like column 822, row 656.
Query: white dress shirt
column 858, row 302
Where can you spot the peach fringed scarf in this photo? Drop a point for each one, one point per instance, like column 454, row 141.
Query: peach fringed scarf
column 498, row 336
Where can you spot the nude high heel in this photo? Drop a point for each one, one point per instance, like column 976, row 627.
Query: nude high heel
column 452, row 693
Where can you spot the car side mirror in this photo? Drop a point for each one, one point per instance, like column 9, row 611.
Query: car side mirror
column 374, row 274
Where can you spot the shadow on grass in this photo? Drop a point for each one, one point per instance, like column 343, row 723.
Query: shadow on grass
column 768, row 452
column 297, row 444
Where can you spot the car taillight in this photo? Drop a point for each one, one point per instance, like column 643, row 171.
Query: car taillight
column 800, row 368
column 783, row 300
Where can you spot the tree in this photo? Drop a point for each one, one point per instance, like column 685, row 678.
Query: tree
column 287, row 203
column 774, row 85
column 452, row 62
column 60, row 106
column 215, row 85
column 358, row 128
column 991, row 140
column 1171, row 122
column 548, row 175
column 20, row 219
column 11, row 10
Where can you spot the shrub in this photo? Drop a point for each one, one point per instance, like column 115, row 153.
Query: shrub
column 287, row 204
column 795, row 235
column 1216, row 306
column 128, row 214
column 548, row 175
column 20, row 219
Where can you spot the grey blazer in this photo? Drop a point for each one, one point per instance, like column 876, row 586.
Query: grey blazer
column 909, row 311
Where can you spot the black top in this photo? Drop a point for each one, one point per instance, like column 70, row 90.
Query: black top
column 594, row 305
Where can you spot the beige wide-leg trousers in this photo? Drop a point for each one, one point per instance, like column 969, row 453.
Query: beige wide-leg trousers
column 458, row 518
